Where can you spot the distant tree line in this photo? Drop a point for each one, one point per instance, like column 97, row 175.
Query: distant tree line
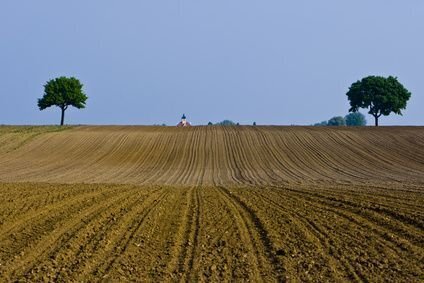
column 352, row 119
column 227, row 123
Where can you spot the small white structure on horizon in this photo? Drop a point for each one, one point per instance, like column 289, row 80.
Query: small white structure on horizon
column 184, row 122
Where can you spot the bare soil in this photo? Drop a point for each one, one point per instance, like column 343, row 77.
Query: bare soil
column 212, row 204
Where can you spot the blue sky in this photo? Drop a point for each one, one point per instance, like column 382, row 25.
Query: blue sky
column 147, row 62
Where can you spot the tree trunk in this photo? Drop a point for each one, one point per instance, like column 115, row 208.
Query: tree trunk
column 376, row 120
column 62, row 120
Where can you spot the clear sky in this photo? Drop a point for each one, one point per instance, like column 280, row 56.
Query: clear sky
column 148, row 62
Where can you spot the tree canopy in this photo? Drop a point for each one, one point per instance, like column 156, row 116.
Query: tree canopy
column 380, row 95
column 226, row 123
column 337, row 121
column 323, row 123
column 63, row 92
column 355, row 119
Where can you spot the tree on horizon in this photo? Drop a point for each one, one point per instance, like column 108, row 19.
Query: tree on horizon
column 355, row 119
column 226, row 122
column 380, row 95
column 63, row 92
column 337, row 121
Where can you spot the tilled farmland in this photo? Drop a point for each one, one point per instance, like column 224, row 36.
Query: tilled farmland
column 212, row 204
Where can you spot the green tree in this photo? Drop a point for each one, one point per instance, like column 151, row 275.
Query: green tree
column 226, row 123
column 337, row 121
column 323, row 123
column 63, row 92
column 210, row 124
column 355, row 119
column 380, row 95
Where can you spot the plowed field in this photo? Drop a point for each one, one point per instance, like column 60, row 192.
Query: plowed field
column 212, row 204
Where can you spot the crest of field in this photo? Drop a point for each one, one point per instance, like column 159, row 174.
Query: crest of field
column 211, row 155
